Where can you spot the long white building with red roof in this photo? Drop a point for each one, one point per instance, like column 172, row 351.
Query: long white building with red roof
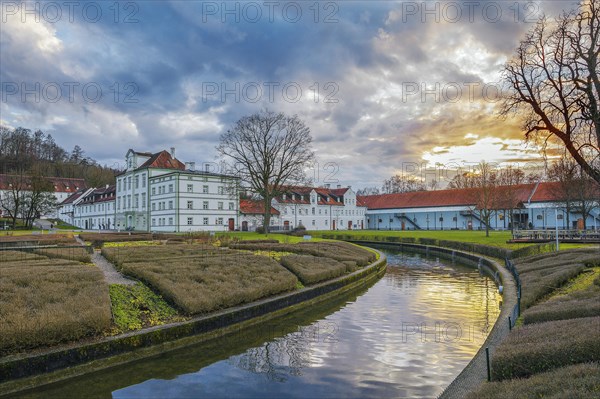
column 533, row 206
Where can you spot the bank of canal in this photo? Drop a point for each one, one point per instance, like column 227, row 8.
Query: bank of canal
column 408, row 335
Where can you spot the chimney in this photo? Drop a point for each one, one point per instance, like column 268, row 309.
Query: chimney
column 193, row 166
column 339, row 186
column 172, row 152
column 327, row 185
column 187, row 165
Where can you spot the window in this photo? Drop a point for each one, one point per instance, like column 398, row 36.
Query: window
column 220, row 206
column 220, row 190
column 539, row 217
column 170, row 204
column 129, row 202
column 170, row 188
column 313, row 222
column 205, row 205
column 153, row 221
column 144, row 180
column 153, row 206
column 326, row 222
column 190, row 205
column 190, row 188
column 313, row 210
column 137, row 181
column 325, row 211
column 231, row 206
column 129, row 183
column 205, row 221
column 119, row 185
column 136, row 201
column 143, row 200
column 454, row 219
column 205, row 189
column 170, row 221
column 119, row 203
column 559, row 217
column 153, row 190
column 190, row 221
column 219, row 221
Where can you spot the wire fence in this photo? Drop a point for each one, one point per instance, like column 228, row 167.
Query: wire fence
column 29, row 254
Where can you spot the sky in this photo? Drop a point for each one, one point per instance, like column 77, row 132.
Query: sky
column 385, row 86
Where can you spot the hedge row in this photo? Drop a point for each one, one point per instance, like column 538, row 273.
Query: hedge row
column 313, row 269
column 540, row 347
column 339, row 251
column 581, row 381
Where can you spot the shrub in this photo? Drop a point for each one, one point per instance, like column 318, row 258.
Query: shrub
column 536, row 284
column 535, row 348
column 562, row 310
column 51, row 304
column 206, row 283
column 18, row 256
column 78, row 254
column 115, row 237
column 581, row 381
column 312, row 269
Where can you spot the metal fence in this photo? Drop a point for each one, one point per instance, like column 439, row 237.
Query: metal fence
column 24, row 253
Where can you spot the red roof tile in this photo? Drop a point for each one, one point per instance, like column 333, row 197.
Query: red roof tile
column 163, row 160
column 457, row 197
column 249, row 207
column 61, row 184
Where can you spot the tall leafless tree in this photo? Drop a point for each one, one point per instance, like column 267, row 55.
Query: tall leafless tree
column 269, row 151
column 401, row 183
column 486, row 193
column 553, row 82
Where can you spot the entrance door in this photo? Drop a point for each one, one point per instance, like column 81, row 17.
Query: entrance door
column 286, row 225
column 349, row 224
column 245, row 225
column 403, row 226
column 231, row 224
column 362, row 225
column 333, row 225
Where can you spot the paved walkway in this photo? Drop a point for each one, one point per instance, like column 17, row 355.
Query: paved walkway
column 111, row 275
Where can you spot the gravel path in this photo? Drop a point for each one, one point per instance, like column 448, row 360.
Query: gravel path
column 111, row 275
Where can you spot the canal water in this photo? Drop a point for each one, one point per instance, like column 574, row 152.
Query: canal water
column 406, row 336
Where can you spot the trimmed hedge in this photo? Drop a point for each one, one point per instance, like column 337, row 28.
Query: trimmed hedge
column 540, row 347
column 562, row 310
column 581, row 381
column 312, row 269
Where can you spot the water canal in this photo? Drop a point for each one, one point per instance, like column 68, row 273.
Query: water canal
column 407, row 335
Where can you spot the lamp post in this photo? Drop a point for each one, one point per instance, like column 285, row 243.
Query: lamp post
column 556, row 227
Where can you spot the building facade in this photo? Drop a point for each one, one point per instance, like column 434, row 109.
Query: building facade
column 532, row 206
column 320, row 208
column 252, row 216
column 96, row 209
column 157, row 192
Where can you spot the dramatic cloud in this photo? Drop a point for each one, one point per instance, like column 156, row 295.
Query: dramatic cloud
column 381, row 84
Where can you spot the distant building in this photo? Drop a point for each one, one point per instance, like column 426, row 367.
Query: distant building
column 252, row 215
column 63, row 188
column 66, row 209
column 536, row 206
column 96, row 209
column 320, row 208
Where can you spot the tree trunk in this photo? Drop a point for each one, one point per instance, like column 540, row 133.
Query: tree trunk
column 267, row 215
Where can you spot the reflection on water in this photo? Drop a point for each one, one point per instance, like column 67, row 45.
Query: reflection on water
column 408, row 335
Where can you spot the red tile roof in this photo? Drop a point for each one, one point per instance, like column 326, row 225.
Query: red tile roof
column 327, row 196
column 249, row 207
column 508, row 195
column 71, row 198
column 163, row 160
column 61, row 184
column 552, row 191
column 102, row 194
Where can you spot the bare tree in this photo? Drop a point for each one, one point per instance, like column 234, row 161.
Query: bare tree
column 402, row 184
column 368, row 191
column 13, row 200
column 38, row 199
column 554, row 84
column 269, row 151
column 486, row 193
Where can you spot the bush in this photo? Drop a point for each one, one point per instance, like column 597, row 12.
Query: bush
column 119, row 255
column 312, row 269
column 49, row 304
column 206, row 283
column 562, row 310
column 78, row 254
column 535, row 348
column 115, row 237
column 581, row 381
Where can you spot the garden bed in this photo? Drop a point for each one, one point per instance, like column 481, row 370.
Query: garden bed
column 45, row 302
column 312, row 269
